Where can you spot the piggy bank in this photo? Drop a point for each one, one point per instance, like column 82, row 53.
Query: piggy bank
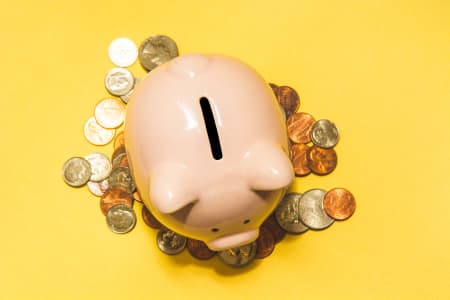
column 208, row 149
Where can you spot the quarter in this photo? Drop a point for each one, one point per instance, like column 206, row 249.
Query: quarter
column 239, row 256
column 311, row 210
column 170, row 242
column 287, row 214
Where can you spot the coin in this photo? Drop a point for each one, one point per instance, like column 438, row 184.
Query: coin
column 275, row 89
column 118, row 151
column 272, row 224
column 322, row 161
column 120, row 160
column 287, row 214
column 299, row 126
column 126, row 98
column 299, row 157
column 109, row 113
column 239, row 256
column 199, row 249
column 265, row 243
column 339, row 204
column 288, row 98
column 324, row 134
column 96, row 134
column 98, row 188
column 121, row 178
column 149, row 219
column 156, row 50
column 100, row 166
column 76, row 171
column 119, row 140
column 122, row 52
column 114, row 196
column 119, row 81
column 170, row 242
column 311, row 210
column 121, row 218
column 137, row 197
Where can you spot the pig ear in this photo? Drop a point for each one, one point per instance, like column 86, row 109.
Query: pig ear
column 170, row 188
column 267, row 167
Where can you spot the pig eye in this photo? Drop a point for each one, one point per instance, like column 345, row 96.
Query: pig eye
column 211, row 128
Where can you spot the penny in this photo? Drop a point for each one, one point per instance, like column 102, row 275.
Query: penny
column 324, row 134
column 239, row 256
column 170, row 242
column 100, row 166
column 121, row 178
column 275, row 89
column 98, row 188
column 322, row 161
column 96, row 134
column 122, row 52
column 156, row 50
column 288, row 98
column 311, row 210
column 299, row 126
column 114, row 196
column 121, row 218
column 76, row 171
column 119, row 81
column 265, row 243
column 287, row 214
column 109, row 113
column 137, row 197
column 149, row 219
column 299, row 157
column 119, row 140
column 199, row 249
column 272, row 224
column 126, row 98
column 339, row 204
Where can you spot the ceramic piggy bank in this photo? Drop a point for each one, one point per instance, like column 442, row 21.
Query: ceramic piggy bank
column 208, row 150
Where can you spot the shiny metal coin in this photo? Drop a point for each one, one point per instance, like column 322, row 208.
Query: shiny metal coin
column 76, row 171
column 240, row 256
column 118, row 160
column 126, row 98
column 311, row 210
column 324, row 134
column 121, row 218
column 156, row 50
column 121, row 178
column 119, row 81
column 96, row 134
column 98, row 188
column 109, row 113
column 287, row 214
column 122, row 52
column 170, row 242
column 100, row 166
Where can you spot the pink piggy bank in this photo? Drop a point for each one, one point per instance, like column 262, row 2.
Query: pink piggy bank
column 208, row 149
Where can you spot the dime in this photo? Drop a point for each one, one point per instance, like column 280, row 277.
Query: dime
column 299, row 126
column 119, row 140
column 170, row 242
column 149, row 219
column 122, row 52
column 322, row 161
column 96, row 134
column 137, row 197
column 288, row 98
column 156, row 50
column 76, row 171
column 100, row 166
column 114, row 196
column 120, row 178
column 199, row 249
column 240, row 256
column 121, row 218
column 119, row 81
column 98, row 188
column 299, row 157
column 287, row 214
column 109, row 113
column 311, row 210
column 272, row 224
column 339, row 204
column 265, row 243
column 324, row 134
column 126, row 98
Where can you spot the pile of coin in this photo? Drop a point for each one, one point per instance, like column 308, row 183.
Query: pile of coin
column 111, row 180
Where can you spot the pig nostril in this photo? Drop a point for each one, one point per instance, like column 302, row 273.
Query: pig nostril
column 215, row 229
column 247, row 221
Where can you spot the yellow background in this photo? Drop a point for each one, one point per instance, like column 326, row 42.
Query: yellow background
column 378, row 69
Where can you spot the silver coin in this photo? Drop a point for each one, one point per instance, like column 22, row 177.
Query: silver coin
column 121, row 178
column 324, row 134
column 76, row 171
column 100, row 166
column 119, row 81
column 122, row 52
column 110, row 113
column 98, row 188
column 156, row 50
column 239, row 256
column 126, row 98
column 170, row 242
column 96, row 134
column 121, row 218
column 116, row 161
column 287, row 214
column 311, row 210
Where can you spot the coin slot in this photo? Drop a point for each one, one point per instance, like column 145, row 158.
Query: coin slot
column 211, row 128
column 215, row 229
column 247, row 221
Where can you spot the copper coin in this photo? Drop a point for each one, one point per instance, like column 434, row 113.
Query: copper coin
column 299, row 157
column 299, row 126
column 199, row 249
column 288, row 98
column 274, row 89
column 114, row 196
column 339, row 204
column 119, row 140
column 137, row 197
column 265, row 243
column 272, row 224
column 322, row 161
column 149, row 219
